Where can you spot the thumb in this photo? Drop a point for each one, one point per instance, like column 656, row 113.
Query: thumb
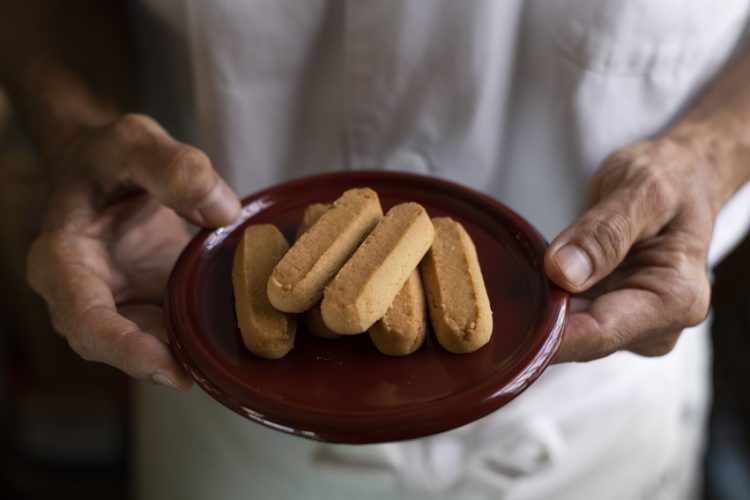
column 594, row 245
column 180, row 176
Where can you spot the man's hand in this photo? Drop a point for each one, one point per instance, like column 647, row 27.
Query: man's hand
column 110, row 238
column 639, row 253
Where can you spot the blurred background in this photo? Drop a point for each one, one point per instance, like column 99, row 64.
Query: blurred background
column 64, row 422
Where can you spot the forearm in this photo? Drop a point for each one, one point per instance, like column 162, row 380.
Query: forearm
column 718, row 127
column 66, row 65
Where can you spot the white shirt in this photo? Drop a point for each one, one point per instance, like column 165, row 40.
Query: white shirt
column 519, row 99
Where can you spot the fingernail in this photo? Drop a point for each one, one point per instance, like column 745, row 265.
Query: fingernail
column 163, row 379
column 574, row 264
column 223, row 207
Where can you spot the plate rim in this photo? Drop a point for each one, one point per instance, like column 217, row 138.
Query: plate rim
column 535, row 362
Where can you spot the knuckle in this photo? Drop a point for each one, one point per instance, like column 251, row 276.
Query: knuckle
column 77, row 343
column 660, row 347
column 42, row 258
column 688, row 299
column 699, row 303
column 656, row 192
column 680, row 261
column 131, row 127
column 611, row 345
column 608, row 238
column 85, row 332
column 674, row 291
column 188, row 175
column 131, row 347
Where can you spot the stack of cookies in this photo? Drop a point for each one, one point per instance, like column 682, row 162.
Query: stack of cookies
column 353, row 270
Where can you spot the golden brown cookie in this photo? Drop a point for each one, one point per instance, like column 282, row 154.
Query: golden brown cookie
column 312, row 318
column 297, row 282
column 456, row 296
column 314, row 323
column 403, row 328
column 365, row 287
column 266, row 332
column 312, row 214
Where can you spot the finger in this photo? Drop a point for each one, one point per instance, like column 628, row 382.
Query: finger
column 595, row 244
column 610, row 323
column 83, row 311
column 148, row 317
column 110, row 338
column 645, row 314
column 180, row 176
column 656, row 346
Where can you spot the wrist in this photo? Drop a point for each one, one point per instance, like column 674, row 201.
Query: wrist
column 60, row 82
column 719, row 157
column 58, row 109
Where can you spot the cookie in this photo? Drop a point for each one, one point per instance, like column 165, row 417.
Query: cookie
column 367, row 284
column 266, row 331
column 403, row 328
column 312, row 318
column 298, row 281
column 457, row 299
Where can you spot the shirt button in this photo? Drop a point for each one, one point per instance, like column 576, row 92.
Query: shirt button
column 408, row 161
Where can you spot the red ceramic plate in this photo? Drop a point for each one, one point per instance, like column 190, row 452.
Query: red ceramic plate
column 344, row 390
